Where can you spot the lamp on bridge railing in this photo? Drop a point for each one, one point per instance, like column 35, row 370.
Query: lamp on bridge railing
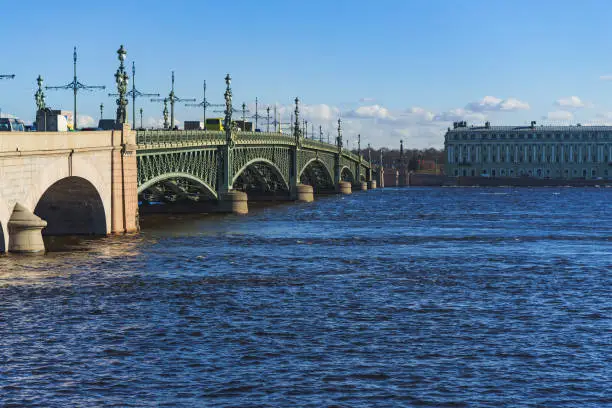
column 359, row 144
column 296, row 128
column 121, row 78
column 339, row 138
column 39, row 96
column 268, row 119
column 134, row 93
column 320, row 133
column 228, row 109
column 165, row 114
column 101, row 111
column 141, row 119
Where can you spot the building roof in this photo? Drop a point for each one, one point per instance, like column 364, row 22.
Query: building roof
column 527, row 128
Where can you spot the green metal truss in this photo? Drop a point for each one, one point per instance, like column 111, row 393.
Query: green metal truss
column 198, row 156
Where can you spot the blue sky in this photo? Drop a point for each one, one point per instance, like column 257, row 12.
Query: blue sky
column 392, row 69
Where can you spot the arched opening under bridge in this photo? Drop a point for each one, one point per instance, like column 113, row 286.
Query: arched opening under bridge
column 262, row 180
column 315, row 174
column 347, row 175
column 176, row 192
column 72, row 206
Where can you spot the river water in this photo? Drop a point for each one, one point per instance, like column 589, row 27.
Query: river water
column 446, row 297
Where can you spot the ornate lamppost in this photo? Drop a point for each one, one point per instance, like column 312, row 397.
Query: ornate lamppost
column 296, row 127
column 141, row 118
column 39, row 96
column 339, row 138
column 165, row 113
column 121, row 78
column 101, row 111
column 227, row 123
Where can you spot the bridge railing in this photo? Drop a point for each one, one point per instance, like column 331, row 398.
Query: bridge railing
column 316, row 145
column 263, row 138
column 178, row 137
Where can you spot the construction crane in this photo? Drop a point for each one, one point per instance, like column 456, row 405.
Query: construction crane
column 134, row 93
column 75, row 85
column 204, row 104
column 172, row 98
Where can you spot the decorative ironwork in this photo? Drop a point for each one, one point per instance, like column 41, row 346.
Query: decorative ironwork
column 75, row 85
column 204, row 104
column 256, row 157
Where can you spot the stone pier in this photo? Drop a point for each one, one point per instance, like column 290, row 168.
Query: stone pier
column 344, row 187
column 234, row 201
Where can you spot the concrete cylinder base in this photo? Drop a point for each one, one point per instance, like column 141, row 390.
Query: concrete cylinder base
column 363, row 186
column 305, row 193
column 235, row 202
column 372, row 184
column 344, row 187
column 25, row 234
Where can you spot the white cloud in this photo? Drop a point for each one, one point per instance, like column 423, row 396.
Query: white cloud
column 559, row 115
column 421, row 114
column 491, row 103
column 366, row 99
column 86, row 121
column 371, row 111
column 320, row 112
column 570, row 102
column 459, row 114
column 607, row 77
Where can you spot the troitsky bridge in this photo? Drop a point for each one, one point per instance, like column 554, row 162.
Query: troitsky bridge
column 92, row 182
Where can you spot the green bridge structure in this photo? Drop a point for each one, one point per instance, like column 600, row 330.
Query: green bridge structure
column 229, row 167
column 205, row 165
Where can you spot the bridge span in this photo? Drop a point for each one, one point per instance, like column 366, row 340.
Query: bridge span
column 74, row 183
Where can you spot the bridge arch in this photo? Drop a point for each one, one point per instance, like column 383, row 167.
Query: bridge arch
column 4, row 217
column 316, row 174
column 346, row 174
column 269, row 164
column 72, row 206
column 329, row 172
column 177, row 175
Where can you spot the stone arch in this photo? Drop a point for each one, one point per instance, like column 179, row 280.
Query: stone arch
column 269, row 164
column 72, row 206
column 169, row 176
column 319, row 161
column 3, row 242
column 4, row 217
column 346, row 174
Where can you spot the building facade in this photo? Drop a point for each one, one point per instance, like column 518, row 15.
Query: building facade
column 560, row 152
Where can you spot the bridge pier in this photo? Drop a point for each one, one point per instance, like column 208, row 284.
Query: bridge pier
column 233, row 201
column 305, row 193
column 362, row 186
column 372, row 184
column 344, row 187
column 25, row 231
